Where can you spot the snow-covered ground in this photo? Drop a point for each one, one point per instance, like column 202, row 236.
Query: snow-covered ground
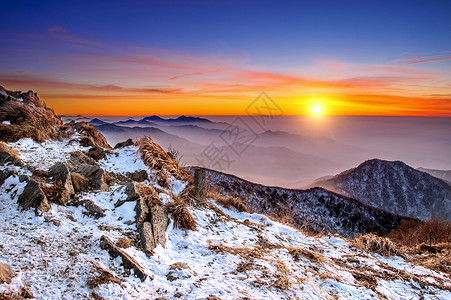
column 231, row 256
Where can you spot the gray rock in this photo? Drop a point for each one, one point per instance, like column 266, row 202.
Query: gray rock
column 142, row 210
column 6, row 274
column 128, row 262
column 97, row 152
column 33, row 197
column 96, row 176
column 160, row 221
column 60, row 172
column 5, row 157
column 138, row 176
column 4, row 174
column 146, row 237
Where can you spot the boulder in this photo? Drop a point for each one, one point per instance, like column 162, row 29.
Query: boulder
column 6, row 274
column 160, row 221
column 6, row 173
column 97, row 177
column 179, row 270
column 138, row 176
column 97, row 153
column 33, row 196
column 146, row 237
column 60, row 173
column 126, row 143
column 128, row 262
column 200, row 184
column 86, row 141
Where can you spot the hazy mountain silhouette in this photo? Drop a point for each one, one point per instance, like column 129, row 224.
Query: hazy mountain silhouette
column 394, row 187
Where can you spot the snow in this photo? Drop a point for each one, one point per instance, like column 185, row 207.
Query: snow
column 44, row 155
column 233, row 256
column 6, row 123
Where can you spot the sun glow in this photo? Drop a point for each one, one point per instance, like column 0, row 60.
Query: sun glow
column 317, row 109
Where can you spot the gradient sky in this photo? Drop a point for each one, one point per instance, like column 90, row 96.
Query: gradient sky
column 214, row 57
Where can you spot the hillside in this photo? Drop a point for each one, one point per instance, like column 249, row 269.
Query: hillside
column 441, row 174
column 396, row 187
column 315, row 209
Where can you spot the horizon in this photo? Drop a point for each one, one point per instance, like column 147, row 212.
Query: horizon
column 199, row 58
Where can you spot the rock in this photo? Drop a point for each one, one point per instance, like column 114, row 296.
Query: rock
column 33, row 197
column 25, row 293
column 6, row 157
column 6, row 274
column 146, row 237
column 93, row 209
column 213, row 297
column 5, row 174
column 86, row 141
column 138, row 176
column 179, row 266
column 126, row 143
column 160, row 221
column 142, row 210
column 60, row 172
column 97, row 153
column 200, row 184
column 178, row 295
column 430, row 248
column 131, row 192
column 97, row 177
column 128, row 262
column 179, row 270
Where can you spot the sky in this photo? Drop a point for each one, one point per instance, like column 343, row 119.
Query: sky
column 216, row 57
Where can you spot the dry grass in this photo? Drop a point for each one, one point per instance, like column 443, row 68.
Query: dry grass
column 297, row 253
column 11, row 151
column 412, row 233
column 123, row 242
column 148, row 193
column 29, row 118
column 181, row 215
column 228, row 202
column 84, row 129
column 154, row 156
column 10, row 296
column 374, row 244
column 79, row 182
column 54, row 193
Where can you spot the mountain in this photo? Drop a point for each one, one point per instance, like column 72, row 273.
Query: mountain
column 442, row 174
column 395, row 187
column 97, row 122
column 315, row 209
column 181, row 119
column 133, row 123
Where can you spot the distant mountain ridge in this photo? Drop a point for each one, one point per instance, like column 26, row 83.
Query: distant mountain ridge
column 441, row 174
column 315, row 209
column 396, row 187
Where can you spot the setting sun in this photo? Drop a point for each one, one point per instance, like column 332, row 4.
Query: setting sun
column 317, row 109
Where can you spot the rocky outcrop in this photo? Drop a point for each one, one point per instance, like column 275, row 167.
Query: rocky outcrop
column 97, row 177
column 126, row 143
column 128, row 262
column 23, row 115
column 33, row 196
column 138, row 176
column 97, row 153
column 60, row 173
column 6, row 274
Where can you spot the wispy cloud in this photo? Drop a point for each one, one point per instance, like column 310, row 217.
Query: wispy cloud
column 194, row 74
column 427, row 60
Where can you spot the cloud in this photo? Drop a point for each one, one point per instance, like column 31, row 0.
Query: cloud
column 426, row 60
column 194, row 74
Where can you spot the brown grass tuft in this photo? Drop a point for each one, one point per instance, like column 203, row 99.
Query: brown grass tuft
column 181, row 215
column 297, row 253
column 148, row 193
column 54, row 193
column 372, row 243
column 123, row 242
column 154, row 156
column 79, row 182
column 228, row 202
column 28, row 118
column 9, row 296
column 11, row 151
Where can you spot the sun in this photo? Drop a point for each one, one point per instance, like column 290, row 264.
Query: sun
column 317, row 109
